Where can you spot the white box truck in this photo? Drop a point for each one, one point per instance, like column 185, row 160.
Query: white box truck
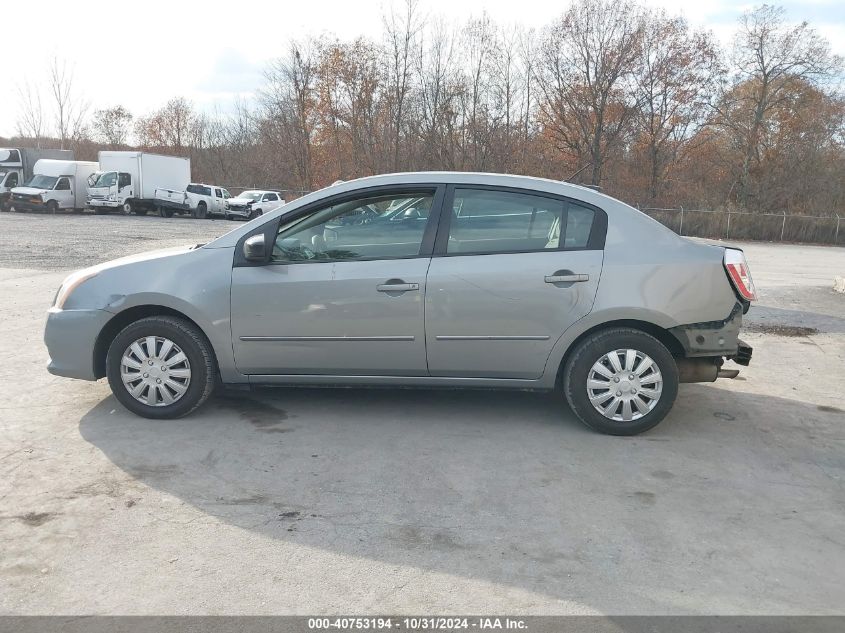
column 128, row 180
column 55, row 184
column 16, row 165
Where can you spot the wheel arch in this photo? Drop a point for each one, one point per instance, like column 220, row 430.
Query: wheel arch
column 130, row 315
column 570, row 340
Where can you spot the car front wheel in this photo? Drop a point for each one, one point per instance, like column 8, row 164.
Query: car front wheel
column 161, row 367
column 620, row 381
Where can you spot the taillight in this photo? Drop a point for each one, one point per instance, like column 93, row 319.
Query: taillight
column 739, row 274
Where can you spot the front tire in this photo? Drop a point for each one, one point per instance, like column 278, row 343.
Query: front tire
column 127, row 207
column 52, row 207
column 161, row 367
column 620, row 381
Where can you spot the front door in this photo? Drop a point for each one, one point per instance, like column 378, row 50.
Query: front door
column 124, row 186
column 343, row 293
column 511, row 272
column 63, row 193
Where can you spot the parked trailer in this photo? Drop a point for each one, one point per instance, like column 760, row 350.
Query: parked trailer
column 55, row 185
column 16, row 165
column 129, row 180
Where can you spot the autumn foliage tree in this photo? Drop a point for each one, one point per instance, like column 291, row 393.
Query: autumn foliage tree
column 610, row 94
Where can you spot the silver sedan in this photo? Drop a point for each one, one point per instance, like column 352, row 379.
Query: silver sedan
column 423, row 279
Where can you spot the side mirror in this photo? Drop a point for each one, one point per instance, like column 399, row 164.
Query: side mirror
column 254, row 249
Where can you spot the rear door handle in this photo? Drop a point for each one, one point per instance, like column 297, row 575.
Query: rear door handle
column 562, row 279
column 397, row 287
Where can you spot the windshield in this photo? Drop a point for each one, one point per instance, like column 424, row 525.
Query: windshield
column 250, row 195
column 39, row 181
column 108, row 179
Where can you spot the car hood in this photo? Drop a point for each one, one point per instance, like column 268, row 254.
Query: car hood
column 243, row 201
column 137, row 258
column 29, row 191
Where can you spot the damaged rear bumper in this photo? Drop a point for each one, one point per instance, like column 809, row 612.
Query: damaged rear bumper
column 707, row 345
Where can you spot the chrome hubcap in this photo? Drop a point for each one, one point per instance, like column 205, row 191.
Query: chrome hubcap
column 155, row 371
column 624, row 385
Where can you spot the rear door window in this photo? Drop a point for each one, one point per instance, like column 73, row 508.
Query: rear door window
column 492, row 221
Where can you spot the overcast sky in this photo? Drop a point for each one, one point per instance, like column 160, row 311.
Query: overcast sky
column 140, row 53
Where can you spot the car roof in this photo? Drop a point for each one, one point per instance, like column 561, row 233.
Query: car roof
column 470, row 178
column 541, row 185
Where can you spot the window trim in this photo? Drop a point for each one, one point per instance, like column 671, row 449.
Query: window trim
column 271, row 229
column 596, row 241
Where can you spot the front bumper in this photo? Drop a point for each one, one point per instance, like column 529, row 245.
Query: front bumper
column 111, row 204
column 70, row 336
column 26, row 205
column 241, row 211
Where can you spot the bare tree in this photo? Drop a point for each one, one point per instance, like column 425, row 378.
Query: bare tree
column 69, row 110
column 770, row 57
column 401, row 32
column 587, row 57
column 288, row 102
column 437, row 88
column 30, row 123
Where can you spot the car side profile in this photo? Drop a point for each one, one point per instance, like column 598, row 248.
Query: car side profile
column 431, row 279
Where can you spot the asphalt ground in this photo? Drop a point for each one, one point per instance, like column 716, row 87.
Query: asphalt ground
column 321, row 501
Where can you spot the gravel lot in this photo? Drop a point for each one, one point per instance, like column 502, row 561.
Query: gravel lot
column 343, row 500
column 68, row 242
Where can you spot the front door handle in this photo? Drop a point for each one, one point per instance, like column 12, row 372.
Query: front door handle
column 563, row 279
column 396, row 285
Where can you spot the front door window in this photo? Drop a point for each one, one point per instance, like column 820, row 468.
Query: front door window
column 379, row 227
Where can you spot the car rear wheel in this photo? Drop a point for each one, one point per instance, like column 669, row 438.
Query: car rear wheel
column 161, row 367
column 620, row 381
column 201, row 211
column 165, row 212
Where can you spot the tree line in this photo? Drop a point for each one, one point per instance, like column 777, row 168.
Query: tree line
column 610, row 94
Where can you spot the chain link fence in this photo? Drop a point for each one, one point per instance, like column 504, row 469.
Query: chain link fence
column 736, row 225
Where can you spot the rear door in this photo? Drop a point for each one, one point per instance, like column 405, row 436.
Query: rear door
column 512, row 269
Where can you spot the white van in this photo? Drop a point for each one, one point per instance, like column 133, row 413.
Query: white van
column 55, row 184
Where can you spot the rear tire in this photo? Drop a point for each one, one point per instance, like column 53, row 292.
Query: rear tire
column 650, row 394
column 201, row 367
column 201, row 211
column 165, row 213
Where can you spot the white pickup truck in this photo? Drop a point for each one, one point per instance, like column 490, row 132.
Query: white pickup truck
column 199, row 200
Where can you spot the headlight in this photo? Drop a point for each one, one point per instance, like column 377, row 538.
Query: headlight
column 69, row 285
